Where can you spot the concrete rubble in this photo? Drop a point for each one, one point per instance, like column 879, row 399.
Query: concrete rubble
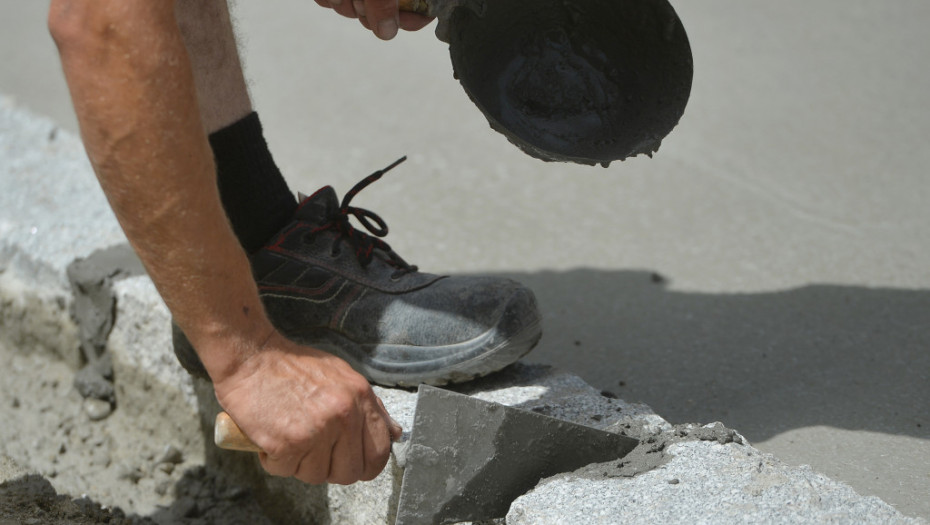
column 52, row 213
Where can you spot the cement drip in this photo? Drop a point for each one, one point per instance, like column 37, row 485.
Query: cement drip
column 94, row 311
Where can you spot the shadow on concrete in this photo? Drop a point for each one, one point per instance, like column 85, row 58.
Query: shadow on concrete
column 849, row 357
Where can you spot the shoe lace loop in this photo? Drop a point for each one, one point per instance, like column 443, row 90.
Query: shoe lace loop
column 363, row 243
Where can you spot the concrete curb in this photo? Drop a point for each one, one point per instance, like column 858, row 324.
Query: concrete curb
column 52, row 212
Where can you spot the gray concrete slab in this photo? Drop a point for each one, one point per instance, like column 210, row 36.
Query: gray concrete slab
column 786, row 214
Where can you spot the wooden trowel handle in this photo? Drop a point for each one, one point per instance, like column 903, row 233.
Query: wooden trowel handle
column 414, row 6
column 228, row 435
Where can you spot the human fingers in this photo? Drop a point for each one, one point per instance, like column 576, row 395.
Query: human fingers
column 393, row 426
column 297, row 448
column 408, row 21
column 376, row 442
column 382, row 17
column 413, row 21
column 278, row 465
column 347, row 462
column 314, row 466
column 343, row 7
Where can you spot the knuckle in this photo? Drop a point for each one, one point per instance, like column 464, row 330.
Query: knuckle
column 341, row 412
column 361, row 387
column 273, row 467
column 276, row 450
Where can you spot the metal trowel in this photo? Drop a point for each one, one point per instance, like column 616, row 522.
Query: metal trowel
column 467, row 459
column 587, row 81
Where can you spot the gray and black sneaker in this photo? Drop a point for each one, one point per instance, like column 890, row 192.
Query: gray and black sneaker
column 328, row 285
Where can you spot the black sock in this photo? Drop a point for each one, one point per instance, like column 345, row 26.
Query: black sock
column 253, row 191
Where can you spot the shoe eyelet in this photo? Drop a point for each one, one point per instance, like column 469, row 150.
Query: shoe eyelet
column 335, row 253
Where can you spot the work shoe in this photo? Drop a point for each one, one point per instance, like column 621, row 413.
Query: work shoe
column 328, row 285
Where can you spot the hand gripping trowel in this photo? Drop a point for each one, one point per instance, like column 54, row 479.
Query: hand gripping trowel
column 468, row 459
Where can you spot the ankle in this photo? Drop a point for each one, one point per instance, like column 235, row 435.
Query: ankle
column 255, row 195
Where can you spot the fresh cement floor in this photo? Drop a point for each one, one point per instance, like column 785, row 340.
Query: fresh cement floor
column 769, row 268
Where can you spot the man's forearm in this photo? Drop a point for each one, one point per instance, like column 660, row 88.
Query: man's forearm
column 133, row 91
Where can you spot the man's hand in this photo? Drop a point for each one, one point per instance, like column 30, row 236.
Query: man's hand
column 314, row 417
column 380, row 16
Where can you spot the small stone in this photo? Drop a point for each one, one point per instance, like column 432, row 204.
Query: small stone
column 167, row 468
column 171, row 454
column 674, row 481
column 97, row 409
column 16, row 403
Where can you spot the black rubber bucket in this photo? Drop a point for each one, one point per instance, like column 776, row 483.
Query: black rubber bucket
column 587, row 81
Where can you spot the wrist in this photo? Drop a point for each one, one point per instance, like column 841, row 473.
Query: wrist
column 227, row 349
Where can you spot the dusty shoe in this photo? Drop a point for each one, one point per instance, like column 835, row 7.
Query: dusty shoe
column 330, row 286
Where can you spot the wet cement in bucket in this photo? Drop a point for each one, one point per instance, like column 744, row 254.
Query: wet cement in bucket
column 587, row 81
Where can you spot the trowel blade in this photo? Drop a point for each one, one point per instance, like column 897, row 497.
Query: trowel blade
column 468, row 459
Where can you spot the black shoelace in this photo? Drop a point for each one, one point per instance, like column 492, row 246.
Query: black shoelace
column 364, row 244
